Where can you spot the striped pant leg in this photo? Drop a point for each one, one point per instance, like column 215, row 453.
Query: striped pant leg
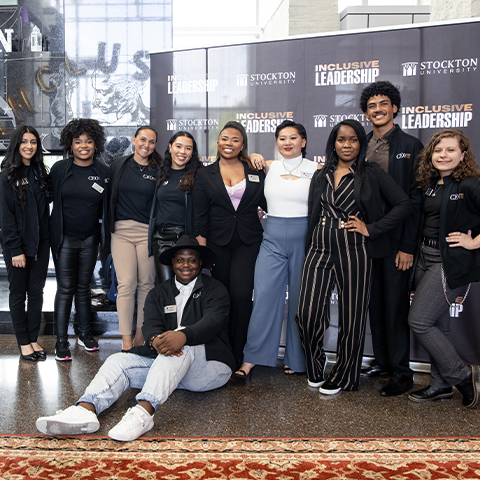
column 353, row 269
column 313, row 317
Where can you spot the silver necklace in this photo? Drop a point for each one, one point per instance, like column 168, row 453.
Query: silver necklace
column 293, row 169
column 437, row 188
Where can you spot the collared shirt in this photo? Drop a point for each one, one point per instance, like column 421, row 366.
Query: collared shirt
column 378, row 150
column 181, row 299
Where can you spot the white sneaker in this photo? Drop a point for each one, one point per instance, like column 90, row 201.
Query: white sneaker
column 315, row 384
column 72, row 421
column 134, row 423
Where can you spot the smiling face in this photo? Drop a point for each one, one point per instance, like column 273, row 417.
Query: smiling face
column 347, row 145
column 447, row 155
column 144, row 144
column 28, row 147
column 380, row 112
column 186, row 265
column 230, row 143
column 290, row 143
column 181, row 151
column 83, row 148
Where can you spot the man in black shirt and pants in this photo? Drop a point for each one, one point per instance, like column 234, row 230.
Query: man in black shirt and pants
column 396, row 152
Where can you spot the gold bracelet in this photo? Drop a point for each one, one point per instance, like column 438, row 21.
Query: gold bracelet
column 151, row 341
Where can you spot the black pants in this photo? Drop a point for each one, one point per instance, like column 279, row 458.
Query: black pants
column 165, row 237
column 74, row 267
column 389, row 304
column 235, row 268
column 28, row 283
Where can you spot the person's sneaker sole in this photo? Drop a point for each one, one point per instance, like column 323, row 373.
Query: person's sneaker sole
column 63, row 359
column 93, row 349
column 315, row 384
column 55, row 427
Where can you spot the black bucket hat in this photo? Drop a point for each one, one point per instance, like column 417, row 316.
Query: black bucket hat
column 188, row 241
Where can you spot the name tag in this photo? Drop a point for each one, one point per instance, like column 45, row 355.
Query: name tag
column 170, row 308
column 253, row 178
column 98, row 188
column 306, row 174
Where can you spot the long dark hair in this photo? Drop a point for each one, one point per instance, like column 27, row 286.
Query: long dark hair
column 298, row 127
column 79, row 126
column 13, row 164
column 154, row 157
column 331, row 160
column 190, row 168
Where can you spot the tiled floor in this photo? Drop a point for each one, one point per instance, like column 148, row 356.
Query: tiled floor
column 270, row 404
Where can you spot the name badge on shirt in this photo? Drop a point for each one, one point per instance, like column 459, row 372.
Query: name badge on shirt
column 253, row 178
column 170, row 308
column 306, row 174
column 98, row 188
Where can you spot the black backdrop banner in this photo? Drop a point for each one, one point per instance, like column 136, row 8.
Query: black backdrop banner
column 317, row 81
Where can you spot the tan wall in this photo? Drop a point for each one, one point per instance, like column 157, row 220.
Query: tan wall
column 453, row 9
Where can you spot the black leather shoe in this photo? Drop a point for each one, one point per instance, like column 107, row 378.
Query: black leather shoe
column 470, row 386
column 397, row 385
column 374, row 370
column 40, row 354
column 431, row 394
column 31, row 357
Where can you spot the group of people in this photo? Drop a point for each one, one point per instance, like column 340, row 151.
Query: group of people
column 380, row 207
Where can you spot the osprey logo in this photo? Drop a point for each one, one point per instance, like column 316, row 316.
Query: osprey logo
column 409, row 69
column 456, row 196
column 403, row 155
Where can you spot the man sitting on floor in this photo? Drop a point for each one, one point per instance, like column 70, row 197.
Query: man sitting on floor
column 186, row 346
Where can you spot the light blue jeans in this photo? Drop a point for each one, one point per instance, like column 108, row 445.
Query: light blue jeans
column 157, row 377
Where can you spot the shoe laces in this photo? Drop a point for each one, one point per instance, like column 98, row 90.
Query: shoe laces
column 133, row 416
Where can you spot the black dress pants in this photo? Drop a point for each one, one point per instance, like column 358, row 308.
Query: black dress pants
column 74, row 267
column 389, row 305
column 235, row 268
column 26, row 284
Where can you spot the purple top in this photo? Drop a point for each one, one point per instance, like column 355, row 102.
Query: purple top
column 235, row 192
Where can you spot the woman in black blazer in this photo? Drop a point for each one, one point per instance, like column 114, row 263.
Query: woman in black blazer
column 352, row 204
column 226, row 197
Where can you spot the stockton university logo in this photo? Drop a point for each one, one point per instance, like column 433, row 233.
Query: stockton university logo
column 409, row 69
column 320, row 120
column 171, row 124
column 242, row 80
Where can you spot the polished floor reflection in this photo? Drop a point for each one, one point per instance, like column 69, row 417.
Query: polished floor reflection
column 269, row 404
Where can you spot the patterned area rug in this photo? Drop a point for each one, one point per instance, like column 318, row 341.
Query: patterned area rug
column 39, row 457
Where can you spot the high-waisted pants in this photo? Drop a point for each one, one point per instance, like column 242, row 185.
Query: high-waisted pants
column 339, row 257
column 74, row 267
column 135, row 271
column 279, row 263
column 26, row 284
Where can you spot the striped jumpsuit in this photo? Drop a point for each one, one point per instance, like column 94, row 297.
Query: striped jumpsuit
column 335, row 256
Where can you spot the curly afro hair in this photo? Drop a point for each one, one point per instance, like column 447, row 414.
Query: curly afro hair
column 385, row 88
column 76, row 127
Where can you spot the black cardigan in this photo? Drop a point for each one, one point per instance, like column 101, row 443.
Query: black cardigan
column 59, row 173
column 381, row 201
column 460, row 212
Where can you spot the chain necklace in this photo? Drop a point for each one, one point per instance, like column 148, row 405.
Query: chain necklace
column 436, row 189
column 290, row 172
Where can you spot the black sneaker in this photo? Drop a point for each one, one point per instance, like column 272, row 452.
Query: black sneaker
column 88, row 342
column 62, row 352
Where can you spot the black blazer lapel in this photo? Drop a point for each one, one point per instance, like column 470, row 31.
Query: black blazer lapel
column 218, row 181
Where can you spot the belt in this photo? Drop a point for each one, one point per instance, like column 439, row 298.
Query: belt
column 332, row 222
column 169, row 232
column 431, row 242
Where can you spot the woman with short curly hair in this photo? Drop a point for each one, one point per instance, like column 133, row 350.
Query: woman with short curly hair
column 24, row 198
column 78, row 225
column 449, row 260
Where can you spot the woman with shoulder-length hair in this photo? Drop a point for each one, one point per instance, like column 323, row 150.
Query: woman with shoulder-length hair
column 449, row 260
column 78, row 224
column 171, row 215
column 226, row 197
column 133, row 187
column 347, row 223
column 24, row 197
column 281, row 256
